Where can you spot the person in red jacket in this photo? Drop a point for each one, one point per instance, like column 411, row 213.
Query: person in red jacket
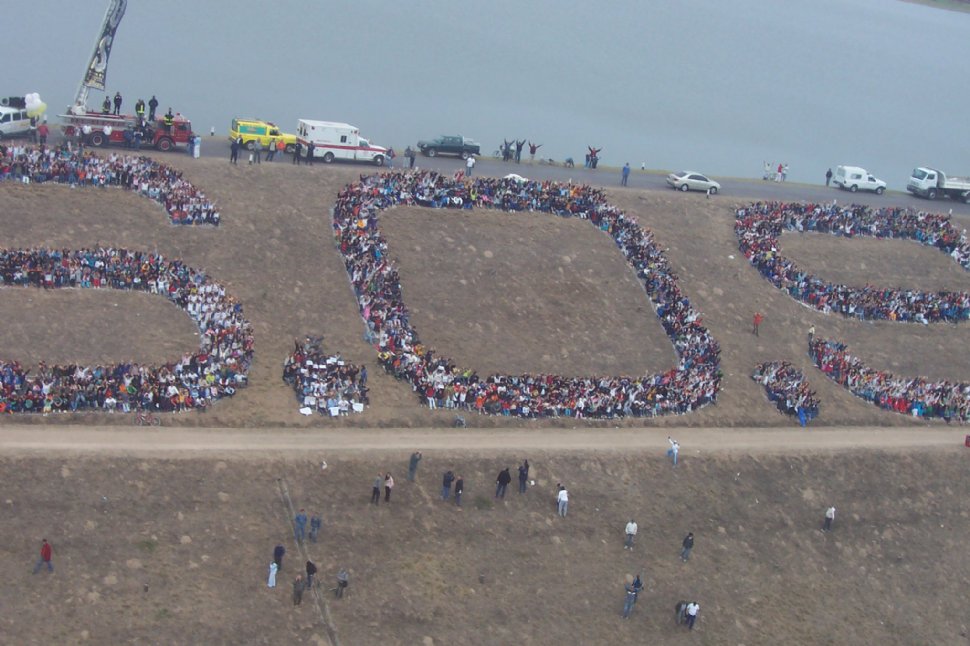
column 758, row 318
column 45, row 557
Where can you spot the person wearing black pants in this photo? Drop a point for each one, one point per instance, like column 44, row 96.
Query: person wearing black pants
column 309, row 153
column 388, row 485
column 375, row 494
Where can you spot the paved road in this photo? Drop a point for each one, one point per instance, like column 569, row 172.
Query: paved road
column 732, row 190
column 258, row 444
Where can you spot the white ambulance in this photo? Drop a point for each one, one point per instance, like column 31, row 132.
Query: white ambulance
column 333, row 140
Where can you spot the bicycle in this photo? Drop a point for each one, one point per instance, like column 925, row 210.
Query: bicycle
column 144, row 418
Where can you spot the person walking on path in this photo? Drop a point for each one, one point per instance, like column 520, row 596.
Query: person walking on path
column 502, row 482
column 446, row 481
column 562, row 500
column 828, row 177
column 46, row 553
column 459, row 489
column 311, row 571
column 829, row 519
column 300, row 523
column 673, row 450
column 469, row 165
column 625, row 174
column 152, row 106
column 630, row 600
column 273, row 569
column 523, row 476
column 631, row 534
column 298, row 587
column 692, row 609
column 375, row 494
column 413, row 465
column 234, row 152
column 388, row 485
column 315, row 524
column 756, row 322
column 278, row 553
column 686, row 546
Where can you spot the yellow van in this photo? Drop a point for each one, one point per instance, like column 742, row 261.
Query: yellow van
column 252, row 129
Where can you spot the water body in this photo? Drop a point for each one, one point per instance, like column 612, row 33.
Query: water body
column 708, row 85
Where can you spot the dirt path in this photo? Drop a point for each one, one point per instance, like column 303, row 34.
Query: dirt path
column 259, row 444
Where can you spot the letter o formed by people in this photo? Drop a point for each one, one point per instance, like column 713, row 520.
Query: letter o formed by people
column 214, row 371
column 693, row 383
column 758, row 227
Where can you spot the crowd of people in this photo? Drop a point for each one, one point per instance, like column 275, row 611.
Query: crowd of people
column 439, row 382
column 916, row 396
column 325, row 383
column 758, row 227
column 212, row 372
column 787, row 388
column 184, row 202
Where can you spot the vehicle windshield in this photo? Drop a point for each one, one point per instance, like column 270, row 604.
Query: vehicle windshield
column 919, row 174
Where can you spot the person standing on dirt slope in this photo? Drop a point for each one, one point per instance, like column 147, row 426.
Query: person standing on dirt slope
column 300, row 522
column 234, row 151
column 459, row 489
column 692, row 609
column 315, row 524
column 446, row 481
column 686, row 546
column 518, row 151
column 388, row 485
column 278, row 553
column 829, row 519
column 562, row 501
column 630, row 601
column 310, row 153
column 469, row 165
column 273, row 568
column 298, row 587
column 311, row 570
column 828, row 177
column 532, row 151
column 523, row 476
column 631, row 534
column 502, row 482
column 413, row 465
column 46, row 553
column 756, row 321
column 625, row 174
column 375, row 494
column 673, row 450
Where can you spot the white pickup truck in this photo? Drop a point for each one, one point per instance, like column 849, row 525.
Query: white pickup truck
column 929, row 182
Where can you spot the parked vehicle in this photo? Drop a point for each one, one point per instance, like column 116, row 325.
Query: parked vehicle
column 929, row 182
column 690, row 181
column 450, row 145
column 14, row 121
column 251, row 130
column 334, row 140
column 103, row 129
column 853, row 178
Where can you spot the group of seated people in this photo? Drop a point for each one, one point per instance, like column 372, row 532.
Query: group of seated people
column 439, row 382
column 185, row 203
column 758, row 227
column 325, row 383
column 787, row 388
column 919, row 396
column 215, row 370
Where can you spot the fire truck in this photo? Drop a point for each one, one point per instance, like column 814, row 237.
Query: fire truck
column 104, row 129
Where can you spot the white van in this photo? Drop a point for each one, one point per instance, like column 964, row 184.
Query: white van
column 853, row 178
column 13, row 122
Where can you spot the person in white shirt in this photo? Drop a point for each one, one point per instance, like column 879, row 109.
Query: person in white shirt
column 469, row 165
column 829, row 519
column 673, row 450
column 563, row 499
column 692, row 609
column 631, row 533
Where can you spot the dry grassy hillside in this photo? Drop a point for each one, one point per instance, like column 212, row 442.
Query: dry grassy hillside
column 176, row 551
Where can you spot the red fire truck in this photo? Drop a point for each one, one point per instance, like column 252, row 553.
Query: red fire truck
column 104, row 129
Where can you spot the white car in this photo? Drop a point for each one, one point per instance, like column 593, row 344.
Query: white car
column 690, row 181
